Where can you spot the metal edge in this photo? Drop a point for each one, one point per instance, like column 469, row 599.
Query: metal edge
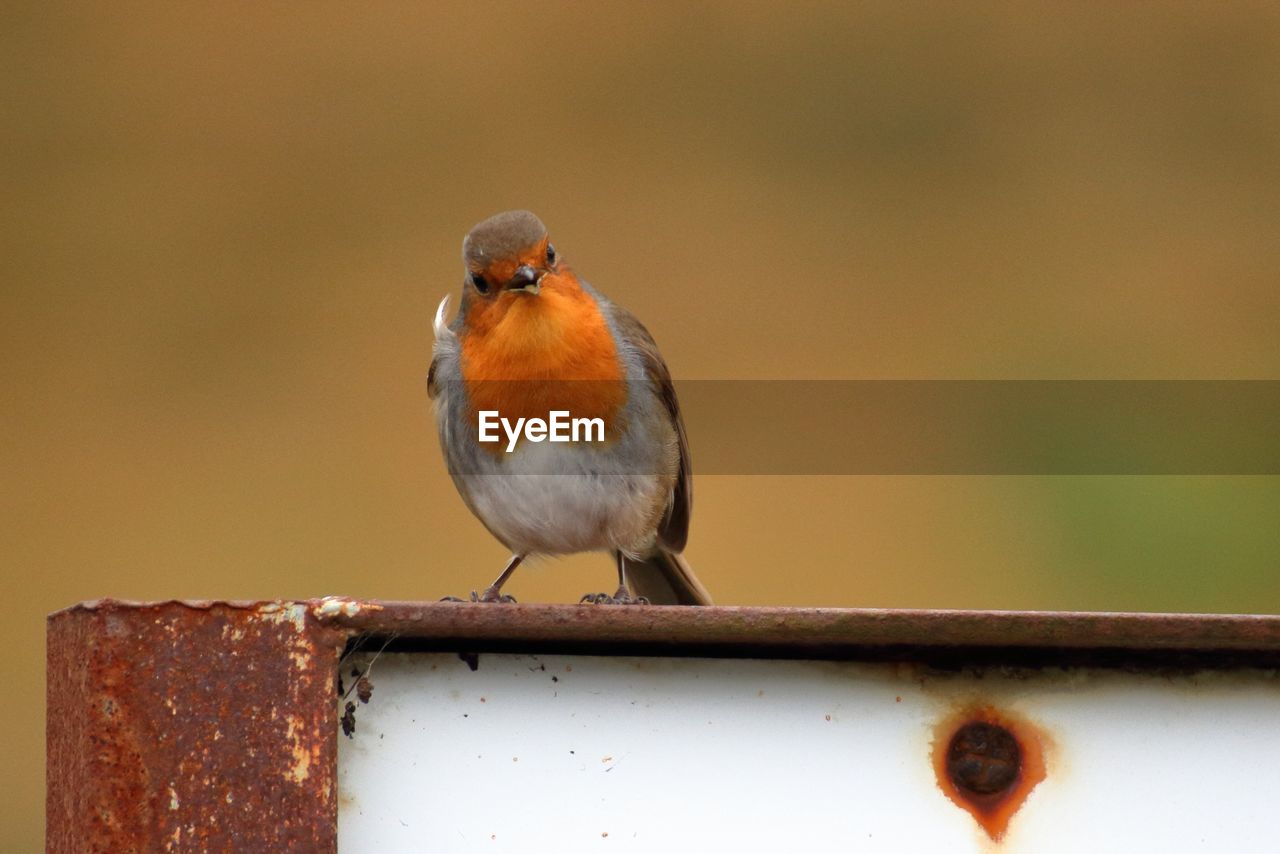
column 947, row 637
column 782, row 626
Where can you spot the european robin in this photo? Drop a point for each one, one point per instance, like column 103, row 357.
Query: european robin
column 531, row 340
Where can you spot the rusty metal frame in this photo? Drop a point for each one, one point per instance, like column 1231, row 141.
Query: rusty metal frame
column 213, row 725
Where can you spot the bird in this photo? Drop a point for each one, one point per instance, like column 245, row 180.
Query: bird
column 530, row 338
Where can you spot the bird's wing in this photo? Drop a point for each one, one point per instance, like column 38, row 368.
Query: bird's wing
column 673, row 531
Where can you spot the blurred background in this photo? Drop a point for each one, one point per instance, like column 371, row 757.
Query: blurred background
column 226, row 228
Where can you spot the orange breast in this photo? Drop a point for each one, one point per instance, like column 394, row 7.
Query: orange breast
column 526, row 355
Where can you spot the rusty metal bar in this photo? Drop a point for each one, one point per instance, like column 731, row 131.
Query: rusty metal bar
column 736, row 632
column 191, row 727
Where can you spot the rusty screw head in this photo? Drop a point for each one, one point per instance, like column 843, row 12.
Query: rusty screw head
column 983, row 758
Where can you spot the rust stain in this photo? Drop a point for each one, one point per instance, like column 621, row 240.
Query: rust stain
column 987, row 761
column 191, row 726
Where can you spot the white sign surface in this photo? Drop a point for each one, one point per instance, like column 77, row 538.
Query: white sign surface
column 534, row 753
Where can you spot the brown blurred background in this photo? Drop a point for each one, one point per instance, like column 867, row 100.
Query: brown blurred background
column 226, row 227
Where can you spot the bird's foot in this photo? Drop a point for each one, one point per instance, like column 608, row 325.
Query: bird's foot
column 620, row 597
column 489, row 597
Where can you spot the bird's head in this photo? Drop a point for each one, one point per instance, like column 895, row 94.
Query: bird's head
column 508, row 257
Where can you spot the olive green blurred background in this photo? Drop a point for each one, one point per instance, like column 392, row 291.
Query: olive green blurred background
column 226, row 227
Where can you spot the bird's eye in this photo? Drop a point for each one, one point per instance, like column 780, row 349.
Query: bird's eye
column 477, row 279
column 551, row 254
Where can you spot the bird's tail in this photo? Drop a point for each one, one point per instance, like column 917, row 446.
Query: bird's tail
column 666, row 579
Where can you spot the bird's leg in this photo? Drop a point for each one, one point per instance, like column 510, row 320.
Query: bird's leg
column 493, row 593
column 622, row 596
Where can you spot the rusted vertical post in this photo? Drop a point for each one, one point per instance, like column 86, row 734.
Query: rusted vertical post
column 191, row 726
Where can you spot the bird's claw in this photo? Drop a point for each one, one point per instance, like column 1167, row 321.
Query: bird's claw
column 492, row 597
column 621, row 597
column 488, row 597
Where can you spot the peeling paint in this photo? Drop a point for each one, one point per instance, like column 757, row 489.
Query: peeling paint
column 338, row 606
column 290, row 612
column 301, row 768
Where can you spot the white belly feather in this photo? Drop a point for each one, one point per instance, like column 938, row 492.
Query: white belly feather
column 564, row 513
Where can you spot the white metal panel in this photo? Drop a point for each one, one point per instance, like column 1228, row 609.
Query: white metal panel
column 581, row 753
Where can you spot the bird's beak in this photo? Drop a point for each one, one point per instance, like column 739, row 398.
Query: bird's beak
column 525, row 279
